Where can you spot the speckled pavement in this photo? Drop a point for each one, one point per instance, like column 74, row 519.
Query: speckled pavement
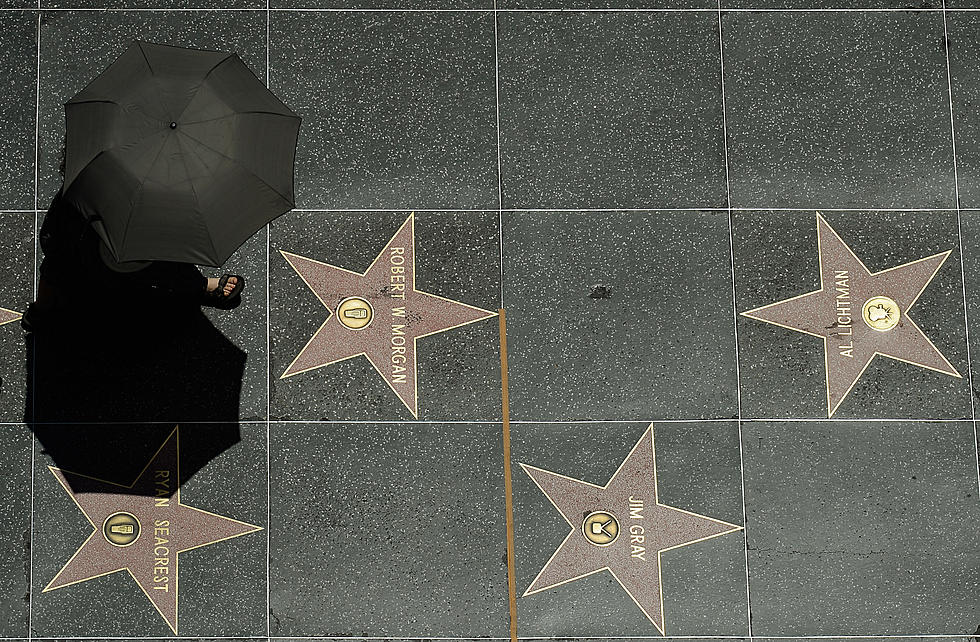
column 595, row 320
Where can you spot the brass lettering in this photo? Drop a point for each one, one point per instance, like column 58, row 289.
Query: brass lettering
column 161, row 553
column 397, row 276
column 636, row 508
column 636, row 534
column 162, row 486
column 842, row 282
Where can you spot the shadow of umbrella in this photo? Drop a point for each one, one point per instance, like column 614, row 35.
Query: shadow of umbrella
column 173, row 156
column 113, row 375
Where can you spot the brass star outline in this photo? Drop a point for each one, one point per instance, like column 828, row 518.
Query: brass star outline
column 658, row 622
column 827, row 236
column 295, row 259
column 174, row 434
column 9, row 316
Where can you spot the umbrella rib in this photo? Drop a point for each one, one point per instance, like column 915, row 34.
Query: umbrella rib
column 216, row 65
column 139, row 45
column 228, row 158
column 93, row 100
column 214, row 251
column 139, row 192
column 153, row 77
column 237, row 113
column 200, row 84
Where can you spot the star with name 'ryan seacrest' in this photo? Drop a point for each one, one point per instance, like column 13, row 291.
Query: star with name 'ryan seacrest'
column 142, row 528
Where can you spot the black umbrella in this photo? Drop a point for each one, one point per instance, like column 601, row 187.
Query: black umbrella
column 178, row 154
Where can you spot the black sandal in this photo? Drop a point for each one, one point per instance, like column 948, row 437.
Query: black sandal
column 28, row 320
column 218, row 296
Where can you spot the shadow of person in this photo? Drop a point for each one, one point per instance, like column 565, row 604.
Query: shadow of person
column 115, row 367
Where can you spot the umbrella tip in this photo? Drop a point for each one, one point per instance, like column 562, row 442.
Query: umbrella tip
column 173, row 125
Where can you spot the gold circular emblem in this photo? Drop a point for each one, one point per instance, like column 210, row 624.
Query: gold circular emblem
column 121, row 529
column 355, row 313
column 881, row 313
column 600, row 528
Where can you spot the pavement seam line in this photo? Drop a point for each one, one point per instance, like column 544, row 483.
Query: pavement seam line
column 959, row 233
column 738, row 378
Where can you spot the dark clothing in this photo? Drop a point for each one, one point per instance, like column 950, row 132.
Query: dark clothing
column 72, row 261
column 68, row 242
column 180, row 279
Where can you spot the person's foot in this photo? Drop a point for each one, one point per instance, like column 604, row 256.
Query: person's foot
column 28, row 320
column 229, row 294
column 38, row 313
column 229, row 286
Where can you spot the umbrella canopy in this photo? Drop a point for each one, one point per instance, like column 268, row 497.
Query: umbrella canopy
column 178, row 154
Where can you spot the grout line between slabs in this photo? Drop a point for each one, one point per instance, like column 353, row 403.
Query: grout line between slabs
column 37, row 134
column 959, row 230
column 268, row 446
column 37, row 128
column 268, row 370
column 638, row 10
column 495, row 10
column 497, row 420
column 500, row 189
column 487, row 10
column 738, row 381
column 654, row 208
column 30, row 574
column 941, row 636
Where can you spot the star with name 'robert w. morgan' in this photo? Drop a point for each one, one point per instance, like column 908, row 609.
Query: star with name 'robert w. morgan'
column 621, row 527
column 142, row 528
column 860, row 314
column 379, row 314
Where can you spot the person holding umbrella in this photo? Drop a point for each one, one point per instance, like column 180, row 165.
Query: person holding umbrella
column 73, row 253
column 174, row 157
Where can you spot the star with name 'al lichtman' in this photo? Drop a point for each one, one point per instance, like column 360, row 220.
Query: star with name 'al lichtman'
column 621, row 527
column 859, row 314
column 379, row 314
column 141, row 528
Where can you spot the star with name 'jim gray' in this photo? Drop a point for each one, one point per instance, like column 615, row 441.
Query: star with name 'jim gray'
column 621, row 527
column 859, row 314
column 142, row 528
column 379, row 314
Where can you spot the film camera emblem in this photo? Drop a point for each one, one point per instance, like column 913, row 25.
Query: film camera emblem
column 881, row 313
column 121, row 529
column 601, row 528
column 355, row 313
